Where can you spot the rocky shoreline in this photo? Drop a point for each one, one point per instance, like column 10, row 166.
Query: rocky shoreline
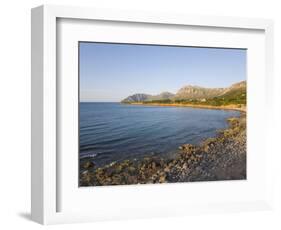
column 220, row 158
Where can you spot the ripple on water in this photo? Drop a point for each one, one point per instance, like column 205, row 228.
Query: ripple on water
column 112, row 131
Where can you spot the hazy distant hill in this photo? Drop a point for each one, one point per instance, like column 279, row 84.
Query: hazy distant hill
column 141, row 97
column 164, row 95
column 138, row 97
column 234, row 92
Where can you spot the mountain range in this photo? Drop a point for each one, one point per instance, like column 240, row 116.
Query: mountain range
column 191, row 92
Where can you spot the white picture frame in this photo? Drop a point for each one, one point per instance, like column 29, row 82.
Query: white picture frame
column 46, row 179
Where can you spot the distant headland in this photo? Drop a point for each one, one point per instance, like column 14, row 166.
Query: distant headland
column 232, row 97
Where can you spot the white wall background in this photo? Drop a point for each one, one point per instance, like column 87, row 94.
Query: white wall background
column 15, row 112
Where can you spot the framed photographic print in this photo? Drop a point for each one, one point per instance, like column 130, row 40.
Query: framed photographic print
column 130, row 137
column 143, row 114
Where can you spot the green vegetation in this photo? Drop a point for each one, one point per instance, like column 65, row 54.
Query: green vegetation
column 163, row 101
column 234, row 97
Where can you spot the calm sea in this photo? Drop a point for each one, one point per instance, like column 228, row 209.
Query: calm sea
column 114, row 131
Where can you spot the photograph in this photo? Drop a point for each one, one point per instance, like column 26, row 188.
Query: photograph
column 153, row 114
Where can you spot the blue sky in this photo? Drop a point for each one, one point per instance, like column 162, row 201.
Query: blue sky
column 111, row 72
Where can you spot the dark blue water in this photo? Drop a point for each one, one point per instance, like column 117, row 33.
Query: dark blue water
column 113, row 131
